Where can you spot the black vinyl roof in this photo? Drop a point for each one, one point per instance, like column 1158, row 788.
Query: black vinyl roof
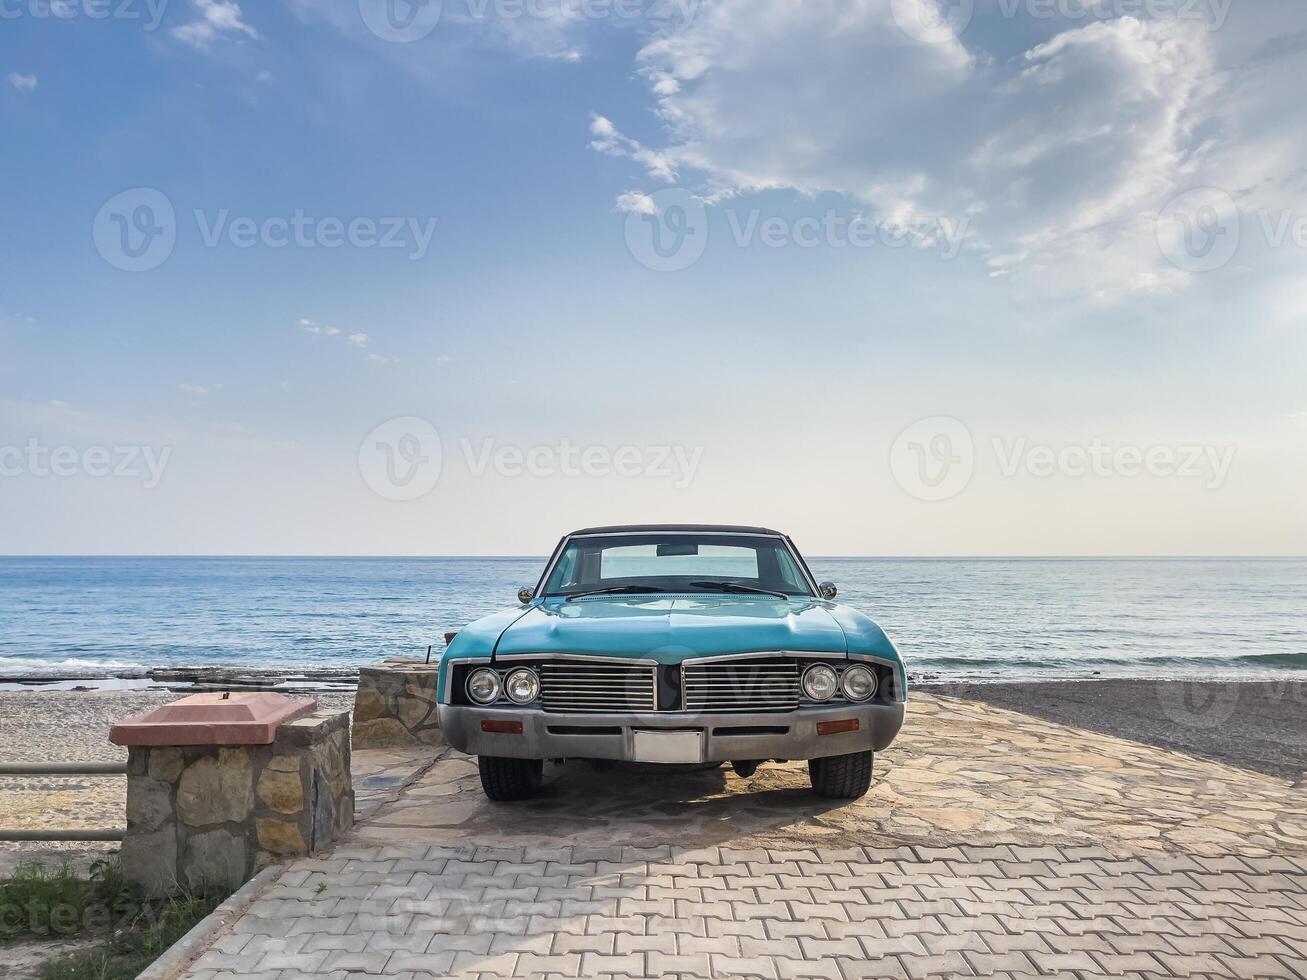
column 721, row 528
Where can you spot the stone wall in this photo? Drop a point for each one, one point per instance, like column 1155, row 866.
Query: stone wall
column 396, row 705
column 213, row 815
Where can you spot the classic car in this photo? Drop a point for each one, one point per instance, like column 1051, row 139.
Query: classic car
column 675, row 645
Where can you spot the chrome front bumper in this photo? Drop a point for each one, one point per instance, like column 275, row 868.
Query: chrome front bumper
column 723, row 736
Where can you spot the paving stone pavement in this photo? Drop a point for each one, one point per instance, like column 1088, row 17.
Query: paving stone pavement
column 991, row 844
column 420, row 912
column 960, row 772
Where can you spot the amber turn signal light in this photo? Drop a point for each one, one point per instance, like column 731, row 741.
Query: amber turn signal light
column 837, row 727
column 502, row 727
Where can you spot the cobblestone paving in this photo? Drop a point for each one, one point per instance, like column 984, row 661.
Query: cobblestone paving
column 1071, row 854
column 418, row 912
column 960, row 773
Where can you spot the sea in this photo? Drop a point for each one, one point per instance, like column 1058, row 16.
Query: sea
column 973, row 619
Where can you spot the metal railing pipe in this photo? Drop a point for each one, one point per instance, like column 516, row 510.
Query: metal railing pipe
column 63, row 768
column 26, row 836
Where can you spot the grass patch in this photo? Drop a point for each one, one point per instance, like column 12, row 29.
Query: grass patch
column 39, row 901
column 132, row 949
column 45, row 903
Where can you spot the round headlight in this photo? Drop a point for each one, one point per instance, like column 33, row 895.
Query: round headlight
column 820, row 683
column 483, row 685
column 522, row 686
column 859, row 683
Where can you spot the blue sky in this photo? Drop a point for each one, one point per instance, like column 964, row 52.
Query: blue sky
column 935, row 294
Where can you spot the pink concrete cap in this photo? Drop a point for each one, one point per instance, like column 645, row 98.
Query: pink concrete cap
column 212, row 719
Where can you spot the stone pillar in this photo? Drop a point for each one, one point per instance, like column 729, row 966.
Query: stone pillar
column 396, row 705
column 201, row 815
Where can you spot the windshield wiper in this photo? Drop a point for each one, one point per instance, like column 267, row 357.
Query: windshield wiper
column 737, row 587
column 615, row 590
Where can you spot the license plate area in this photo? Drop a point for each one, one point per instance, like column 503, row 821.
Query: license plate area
column 667, row 747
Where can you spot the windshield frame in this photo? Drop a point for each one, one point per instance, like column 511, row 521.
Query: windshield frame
column 784, row 540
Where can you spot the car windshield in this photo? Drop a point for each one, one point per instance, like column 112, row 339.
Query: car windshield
column 683, row 562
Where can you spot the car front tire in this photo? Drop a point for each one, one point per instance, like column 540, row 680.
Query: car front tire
column 841, row 777
column 506, row 780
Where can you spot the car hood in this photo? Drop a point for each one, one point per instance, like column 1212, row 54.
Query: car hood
column 670, row 629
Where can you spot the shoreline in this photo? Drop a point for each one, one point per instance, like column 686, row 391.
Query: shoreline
column 326, row 680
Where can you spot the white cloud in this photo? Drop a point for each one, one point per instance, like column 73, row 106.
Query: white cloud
column 198, row 390
column 358, row 339
column 217, row 19
column 637, row 203
column 16, row 320
column 608, row 140
column 1058, row 158
column 24, row 83
column 318, row 329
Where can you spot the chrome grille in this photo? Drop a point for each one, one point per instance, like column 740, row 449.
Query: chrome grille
column 581, row 685
column 744, row 685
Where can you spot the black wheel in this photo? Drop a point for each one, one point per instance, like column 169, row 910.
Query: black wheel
column 841, row 777
column 505, row 780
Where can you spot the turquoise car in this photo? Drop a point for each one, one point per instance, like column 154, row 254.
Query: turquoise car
column 673, row 645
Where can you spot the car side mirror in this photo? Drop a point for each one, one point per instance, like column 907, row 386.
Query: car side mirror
column 827, row 590
column 525, row 594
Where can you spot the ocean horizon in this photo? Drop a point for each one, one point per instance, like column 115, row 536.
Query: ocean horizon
column 953, row 618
